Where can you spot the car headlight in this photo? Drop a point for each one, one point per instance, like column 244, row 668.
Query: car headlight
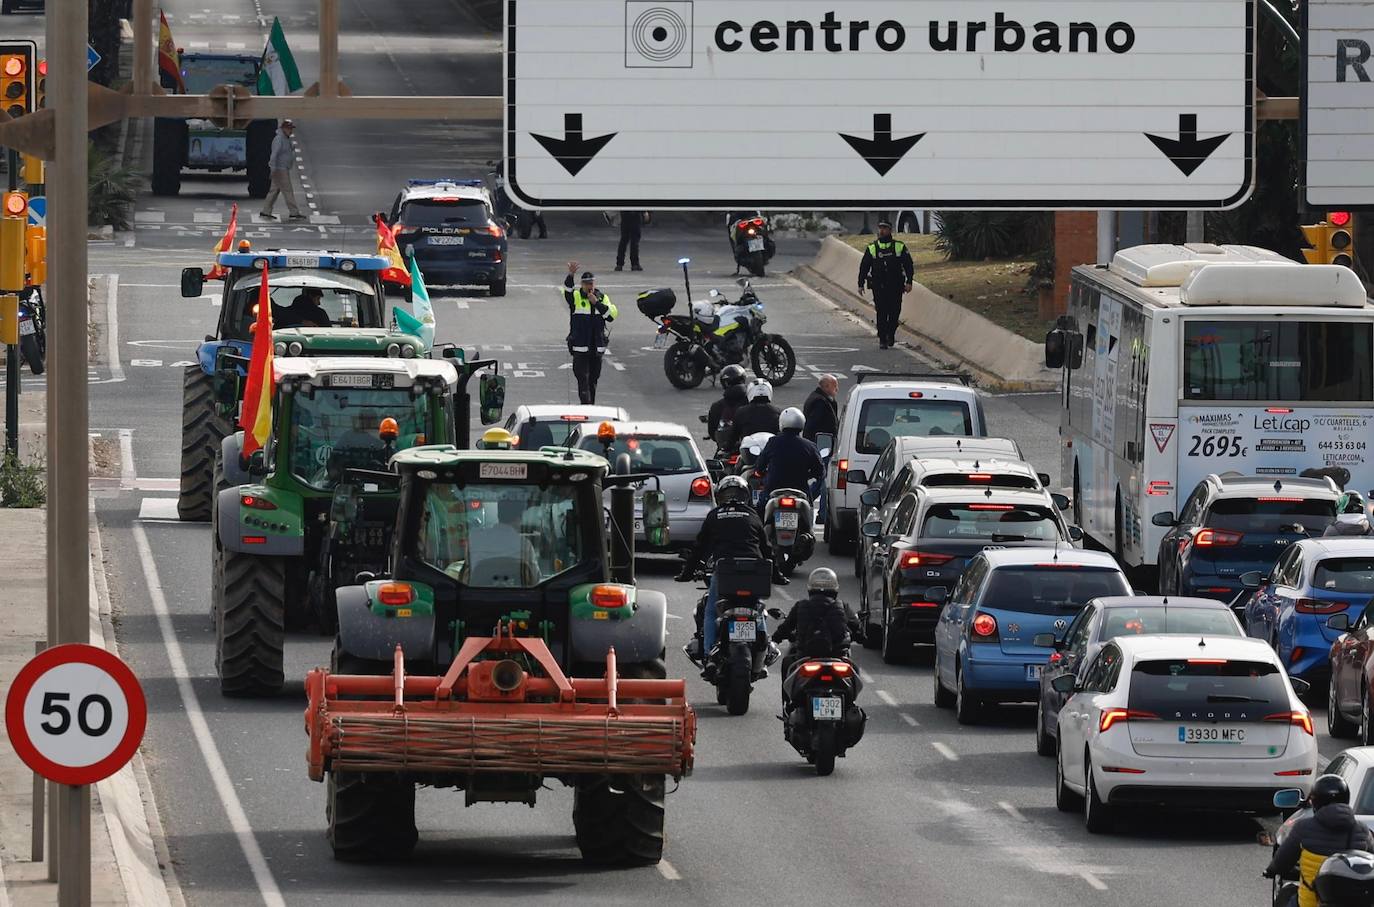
column 407, row 352
column 295, row 348
column 279, row 348
column 393, row 350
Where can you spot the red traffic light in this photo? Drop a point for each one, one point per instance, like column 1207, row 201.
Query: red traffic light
column 14, row 66
column 1338, row 218
column 42, row 67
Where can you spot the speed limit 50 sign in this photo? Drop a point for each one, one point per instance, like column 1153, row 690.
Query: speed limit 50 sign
column 75, row 714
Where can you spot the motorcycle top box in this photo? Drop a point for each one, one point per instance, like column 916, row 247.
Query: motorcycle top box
column 657, row 303
column 743, row 578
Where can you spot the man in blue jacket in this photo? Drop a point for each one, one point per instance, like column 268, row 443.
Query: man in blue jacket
column 789, row 460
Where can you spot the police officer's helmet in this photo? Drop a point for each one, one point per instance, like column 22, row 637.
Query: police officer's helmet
column 759, row 388
column 1329, row 789
column 732, row 376
column 791, row 419
column 732, row 490
column 823, row 580
column 1350, row 502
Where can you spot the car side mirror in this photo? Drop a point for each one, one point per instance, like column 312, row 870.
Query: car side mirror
column 1056, row 345
column 656, row 518
column 872, row 529
column 936, row 595
column 1065, row 683
column 776, row 613
column 1300, row 686
column 1075, row 534
column 856, row 477
column 826, row 442
column 257, row 464
column 1061, row 501
column 1044, row 478
column 872, row 497
column 192, row 283
column 1291, row 798
column 1339, row 622
column 1253, row 579
column 1164, row 518
column 1044, row 640
column 491, row 396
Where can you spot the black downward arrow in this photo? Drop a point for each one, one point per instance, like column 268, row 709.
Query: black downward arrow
column 573, row 151
column 882, row 151
column 1188, row 152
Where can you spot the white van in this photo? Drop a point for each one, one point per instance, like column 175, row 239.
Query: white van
column 882, row 406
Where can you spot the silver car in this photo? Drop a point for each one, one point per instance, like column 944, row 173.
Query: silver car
column 549, row 424
column 665, row 450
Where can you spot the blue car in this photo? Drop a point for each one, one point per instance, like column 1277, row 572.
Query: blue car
column 985, row 649
column 1312, row 581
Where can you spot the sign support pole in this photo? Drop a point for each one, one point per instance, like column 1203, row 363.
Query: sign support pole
column 12, row 350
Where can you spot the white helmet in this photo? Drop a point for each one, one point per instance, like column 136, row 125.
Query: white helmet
column 791, row 419
column 823, row 580
column 760, row 388
column 703, row 311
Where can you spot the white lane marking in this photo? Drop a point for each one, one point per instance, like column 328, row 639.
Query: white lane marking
column 910, row 720
column 887, row 698
column 126, row 456
column 673, row 616
column 1092, row 880
column 112, row 328
column 668, row 871
column 159, row 510
column 462, row 305
column 157, row 286
column 208, row 217
column 146, row 363
column 200, row 729
column 1011, row 810
column 945, row 751
column 150, row 217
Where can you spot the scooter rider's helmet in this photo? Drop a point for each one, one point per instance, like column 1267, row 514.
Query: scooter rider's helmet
column 1345, row 878
column 732, row 376
column 759, row 388
column 1329, row 789
column 823, row 581
column 732, row 490
column 791, row 419
column 1350, row 502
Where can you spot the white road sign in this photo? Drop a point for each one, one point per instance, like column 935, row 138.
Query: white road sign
column 1338, row 104
column 714, row 104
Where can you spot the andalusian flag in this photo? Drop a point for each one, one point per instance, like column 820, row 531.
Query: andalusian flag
column 395, row 271
column 255, row 418
column 226, row 244
column 421, row 324
column 278, row 74
column 168, row 60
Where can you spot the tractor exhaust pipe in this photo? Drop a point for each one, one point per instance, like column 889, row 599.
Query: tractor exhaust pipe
column 623, row 535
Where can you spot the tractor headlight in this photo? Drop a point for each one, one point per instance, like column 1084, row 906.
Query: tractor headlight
column 393, row 350
column 407, row 352
column 279, row 348
column 295, row 348
column 347, row 265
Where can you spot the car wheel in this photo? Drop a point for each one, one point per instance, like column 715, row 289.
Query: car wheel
column 1097, row 816
column 893, row 651
column 1337, row 725
column 965, row 705
column 1044, row 743
column 1065, row 800
column 943, row 698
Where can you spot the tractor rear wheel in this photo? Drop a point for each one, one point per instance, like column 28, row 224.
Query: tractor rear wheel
column 619, row 819
column 371, row 817
column 251, row 631
column 202, row 430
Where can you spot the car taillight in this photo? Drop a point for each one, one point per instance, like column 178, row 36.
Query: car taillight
column 606, row 596
column 996, row 507
column 842, row 480
column 494, row 230
column 788, row 503
column 979, row 477
column 257, row 503
column 1217, row 538
column 1317, row 606
column 1294, row 772
column 985, row 626
column 922, row 559
column 1056, row 657
column 811, row 668
column 1116, row 716
column 701, row 487
column 1298, row 719
column 395, row 594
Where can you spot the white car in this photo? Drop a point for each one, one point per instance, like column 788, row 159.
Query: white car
column 1206, row 722
column 549, row 424
column 1356, row 766
column 665, row 450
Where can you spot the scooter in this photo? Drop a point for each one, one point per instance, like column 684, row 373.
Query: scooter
column 788, row 522
column 821, row 717
column 750, row 447
column 33, row 334
column 751, row 244
column 742, row 652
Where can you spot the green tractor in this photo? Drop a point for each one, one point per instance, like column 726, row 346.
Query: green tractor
column 351, row 293
column 504, row 581
column 315, row 507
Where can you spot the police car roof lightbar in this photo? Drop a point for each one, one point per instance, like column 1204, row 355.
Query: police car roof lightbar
column 278, row 259
column 476, row 183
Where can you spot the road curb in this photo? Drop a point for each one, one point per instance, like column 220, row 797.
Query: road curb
column 998, row 358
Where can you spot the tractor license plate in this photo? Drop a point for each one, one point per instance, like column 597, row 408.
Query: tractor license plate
column 446, row 240
column 503, row 470
column 756, row 244
column 743, row 631
column 785, row 520
column 827, row 708
column 350, row 380
column 1033, row 672
column 302, row 261
column 26, row 327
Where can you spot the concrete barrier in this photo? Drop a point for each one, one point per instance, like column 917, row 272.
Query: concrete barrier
column 999, row 358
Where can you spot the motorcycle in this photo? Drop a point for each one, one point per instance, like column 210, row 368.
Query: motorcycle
column 750, row 448
column 33, row 334
column 715, row 334
column 1346, row 878
column 788, row 521
column 821, row 717
column 751, row 243
column 742, row 652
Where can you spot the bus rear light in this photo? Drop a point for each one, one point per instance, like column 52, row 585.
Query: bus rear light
column 1159, row 488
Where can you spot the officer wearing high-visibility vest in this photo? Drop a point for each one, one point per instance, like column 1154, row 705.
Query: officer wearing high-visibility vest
column 589, row 313
column 887, row 268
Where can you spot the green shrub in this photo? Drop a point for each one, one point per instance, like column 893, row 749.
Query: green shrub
column 21, row 485
column 980, row 235
column 110, row 190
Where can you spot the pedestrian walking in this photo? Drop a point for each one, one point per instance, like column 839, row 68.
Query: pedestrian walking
column 631, row 227
column 887, row 268
column 589, row 313
column 282, row 159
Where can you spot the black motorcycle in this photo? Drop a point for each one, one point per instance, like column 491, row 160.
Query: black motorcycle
column 33, row 329
column 821, row 717
column 742, row 652
column 751, row 243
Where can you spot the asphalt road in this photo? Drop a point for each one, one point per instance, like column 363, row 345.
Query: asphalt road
column 921, row 811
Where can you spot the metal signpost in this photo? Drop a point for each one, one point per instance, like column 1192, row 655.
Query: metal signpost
column 1338, row 94
column 711, row 104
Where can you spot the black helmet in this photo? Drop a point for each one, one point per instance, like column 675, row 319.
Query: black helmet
column 1345, row 878
column 732, row 376
column 1329, row 789
column 732, row 490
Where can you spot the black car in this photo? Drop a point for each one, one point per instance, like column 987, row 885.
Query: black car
column 1233, row 524
column 449, row 227
column 1104, row 619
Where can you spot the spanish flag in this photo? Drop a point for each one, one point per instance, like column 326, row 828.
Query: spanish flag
column 395, row 272
column 255, row 418
column 168, row 60
column 226, row 244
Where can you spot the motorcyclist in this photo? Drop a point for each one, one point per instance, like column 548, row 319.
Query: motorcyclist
column 733, row 397
column 1352, row 517
column 789, row 460
column 759, row 414
column 731, row 529
column 818, row 626
column 1332, row 827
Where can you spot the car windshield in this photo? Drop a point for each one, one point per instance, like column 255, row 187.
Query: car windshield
column 201, row 75
column 1345, row 574
column 882, row 420
column 536, row 434
column 1140, row 620
column 1271, row 514
column 502, row 536
column 994, row 522
column 347, row 302
column 434, row 213
column 337, row 429
column 1364, row 804
column 653, row 454
column 1050, row 589
column 1168, row 687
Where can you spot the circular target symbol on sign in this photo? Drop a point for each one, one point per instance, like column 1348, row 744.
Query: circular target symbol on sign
column 659, row 34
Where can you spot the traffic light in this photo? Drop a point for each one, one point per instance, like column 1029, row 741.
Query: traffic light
column 11, row 255
column 1315, row 234
column 33, row 170
column 40, row 86
column 35, row 255
column 1332, row 240
column 15, row 203
column 18, row 70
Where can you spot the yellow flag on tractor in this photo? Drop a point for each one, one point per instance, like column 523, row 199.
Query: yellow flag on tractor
column 255, row 418
column 226, row 244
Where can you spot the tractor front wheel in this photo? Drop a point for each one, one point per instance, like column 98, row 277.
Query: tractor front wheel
column 619, row 820
column 371, row 817
column 203, row 428
column 251, row 633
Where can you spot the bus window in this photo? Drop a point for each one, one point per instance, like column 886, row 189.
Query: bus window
column 1290, row 361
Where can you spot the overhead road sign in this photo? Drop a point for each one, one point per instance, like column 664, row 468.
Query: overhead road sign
column 711, row 104
column 1338, row 104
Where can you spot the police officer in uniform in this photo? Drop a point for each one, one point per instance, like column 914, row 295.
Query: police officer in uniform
column 590, row 311
column 887, row 268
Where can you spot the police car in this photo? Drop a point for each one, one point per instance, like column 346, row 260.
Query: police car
column 450, row 227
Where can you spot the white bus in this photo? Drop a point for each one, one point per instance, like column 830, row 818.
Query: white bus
column 1181, row 361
